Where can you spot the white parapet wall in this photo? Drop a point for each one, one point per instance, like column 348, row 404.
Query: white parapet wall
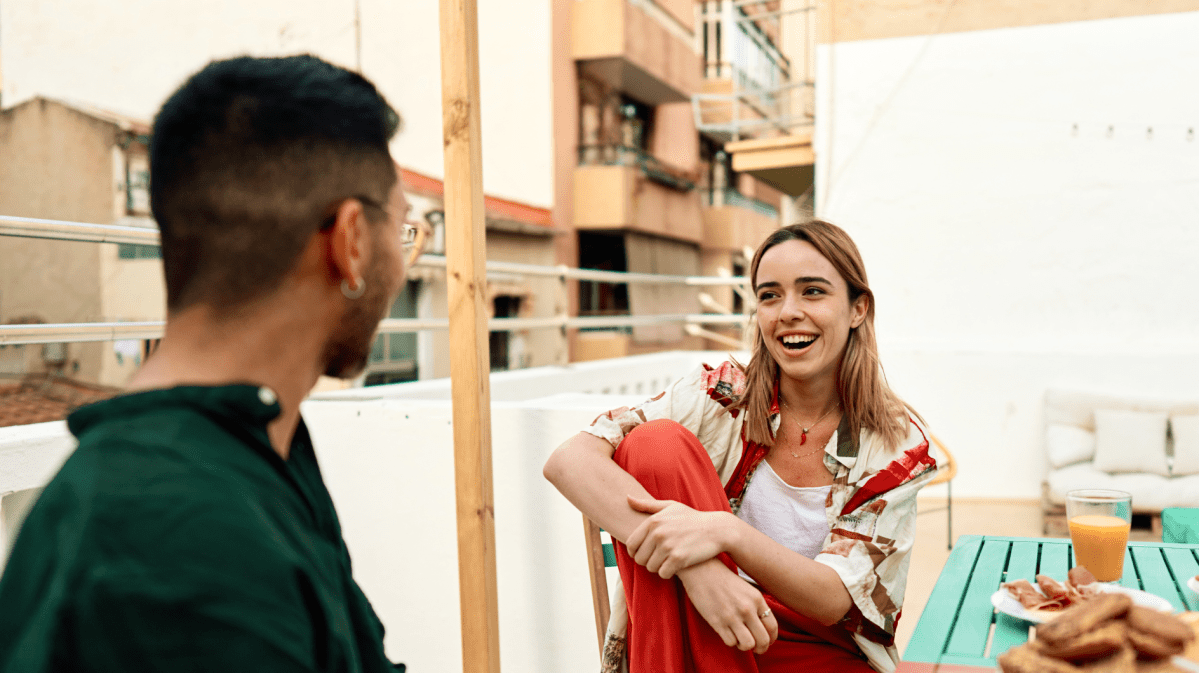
column 389, row 465
column 388, row 461
column 645, row 375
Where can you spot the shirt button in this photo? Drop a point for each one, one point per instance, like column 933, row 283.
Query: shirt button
column 267, row 396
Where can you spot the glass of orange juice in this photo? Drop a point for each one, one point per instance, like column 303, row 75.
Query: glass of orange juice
column 1099, row 520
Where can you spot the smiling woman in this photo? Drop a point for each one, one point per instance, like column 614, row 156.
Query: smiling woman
column 797, row 472
column 811, row 283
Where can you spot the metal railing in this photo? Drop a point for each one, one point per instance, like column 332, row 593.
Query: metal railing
column 769, row 92
column 115, row 331
column 731, row 197
column 622, row 155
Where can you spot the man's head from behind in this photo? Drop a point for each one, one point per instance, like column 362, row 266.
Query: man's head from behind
column 249, row 160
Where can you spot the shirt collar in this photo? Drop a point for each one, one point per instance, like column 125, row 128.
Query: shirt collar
column 240, row 403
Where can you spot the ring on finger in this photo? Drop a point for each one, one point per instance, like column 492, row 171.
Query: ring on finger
column 766, row 613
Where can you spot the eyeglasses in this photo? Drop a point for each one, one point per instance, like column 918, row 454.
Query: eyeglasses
column 408, row 236
column 412, row 237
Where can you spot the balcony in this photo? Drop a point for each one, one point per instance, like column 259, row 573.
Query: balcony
column 786, row 163
column 621, row 188
column 733, row 222
column 636, row 48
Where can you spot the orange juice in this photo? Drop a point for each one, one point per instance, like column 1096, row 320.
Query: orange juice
column 1099, row 544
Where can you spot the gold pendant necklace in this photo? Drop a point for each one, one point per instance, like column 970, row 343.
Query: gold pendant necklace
column 803, row 436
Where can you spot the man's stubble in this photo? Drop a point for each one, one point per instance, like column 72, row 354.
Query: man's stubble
column 349, row 347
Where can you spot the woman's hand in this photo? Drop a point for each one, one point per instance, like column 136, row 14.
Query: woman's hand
column 733, row 607
column 676, row 536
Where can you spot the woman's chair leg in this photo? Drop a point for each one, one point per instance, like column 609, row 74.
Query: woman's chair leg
column 949, row 514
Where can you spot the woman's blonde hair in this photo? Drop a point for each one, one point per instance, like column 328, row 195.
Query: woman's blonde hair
column 866, row 399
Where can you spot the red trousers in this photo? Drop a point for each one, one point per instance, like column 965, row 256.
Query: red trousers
column 666, row 633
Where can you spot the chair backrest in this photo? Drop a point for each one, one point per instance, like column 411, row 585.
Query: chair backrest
column 950, row 469
column 600, row 556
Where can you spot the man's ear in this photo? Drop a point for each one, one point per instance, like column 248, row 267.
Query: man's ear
column 348, row 244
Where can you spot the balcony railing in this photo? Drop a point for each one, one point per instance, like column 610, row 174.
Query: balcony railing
column 768, row 91
column 731, row 197
column 622, row 155
column 115, row 331
column 734, row 45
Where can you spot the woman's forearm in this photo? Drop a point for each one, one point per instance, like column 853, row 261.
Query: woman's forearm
column 582, row 469
column 813, row 589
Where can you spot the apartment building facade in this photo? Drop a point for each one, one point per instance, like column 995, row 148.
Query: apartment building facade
column 647, row 95
column 596, row 151
column 63, row 160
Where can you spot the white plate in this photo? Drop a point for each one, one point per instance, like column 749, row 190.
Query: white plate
column 1193, row 584
column 1007, row 604
column 1185, row 664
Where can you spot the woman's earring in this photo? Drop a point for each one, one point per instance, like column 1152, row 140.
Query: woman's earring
column 356, row 292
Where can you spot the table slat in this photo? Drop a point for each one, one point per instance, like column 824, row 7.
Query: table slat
column 1055, row 559
column 1182, row 563
column 951, row 662
column 1151, row 568
column 1130, row 579
column 973, row 623
column 928, row 640
column 1022, row 565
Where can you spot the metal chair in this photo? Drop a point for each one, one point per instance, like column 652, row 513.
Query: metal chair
column 945, row 475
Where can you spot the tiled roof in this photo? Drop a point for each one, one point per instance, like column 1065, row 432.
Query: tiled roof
column 121, row 120
column 42, row 399
column 494, row 206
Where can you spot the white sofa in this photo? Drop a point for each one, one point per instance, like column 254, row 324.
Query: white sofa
column 1146, row 447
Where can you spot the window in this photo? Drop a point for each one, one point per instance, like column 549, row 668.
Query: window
column 500, row 343
column 604, row 251
column 636, row 124
column 738, row 300
column 136, row 251
column 393, row 356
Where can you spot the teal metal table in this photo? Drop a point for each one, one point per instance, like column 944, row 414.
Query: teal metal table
column 960, row 631
column 1180, row 524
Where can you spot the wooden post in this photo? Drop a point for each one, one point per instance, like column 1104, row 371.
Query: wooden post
column 469, row 354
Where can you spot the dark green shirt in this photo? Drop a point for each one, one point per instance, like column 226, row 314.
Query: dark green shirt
column 176, row 539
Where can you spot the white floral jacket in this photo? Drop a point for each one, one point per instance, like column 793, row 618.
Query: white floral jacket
column 871, row 506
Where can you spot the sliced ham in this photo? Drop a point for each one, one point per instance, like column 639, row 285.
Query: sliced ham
column 1051, row 595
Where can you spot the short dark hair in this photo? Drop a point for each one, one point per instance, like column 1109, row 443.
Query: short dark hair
column 246, row 160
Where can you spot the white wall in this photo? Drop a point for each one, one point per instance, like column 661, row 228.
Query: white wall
column 129, row 56
column 389, row 467
column 636, row 375
column 392, row 480
column 1009, row 252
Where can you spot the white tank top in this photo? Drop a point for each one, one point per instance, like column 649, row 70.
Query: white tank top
column 792, row 516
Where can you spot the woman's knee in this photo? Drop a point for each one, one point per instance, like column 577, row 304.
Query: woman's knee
column 658, row 446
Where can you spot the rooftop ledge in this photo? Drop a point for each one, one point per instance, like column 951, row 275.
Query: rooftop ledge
column 387, row 456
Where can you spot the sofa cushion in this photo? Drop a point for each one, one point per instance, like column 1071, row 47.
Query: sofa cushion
column 1068, row 444
column 1186, row 444
column 1150, row 492
column 1130, row 441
